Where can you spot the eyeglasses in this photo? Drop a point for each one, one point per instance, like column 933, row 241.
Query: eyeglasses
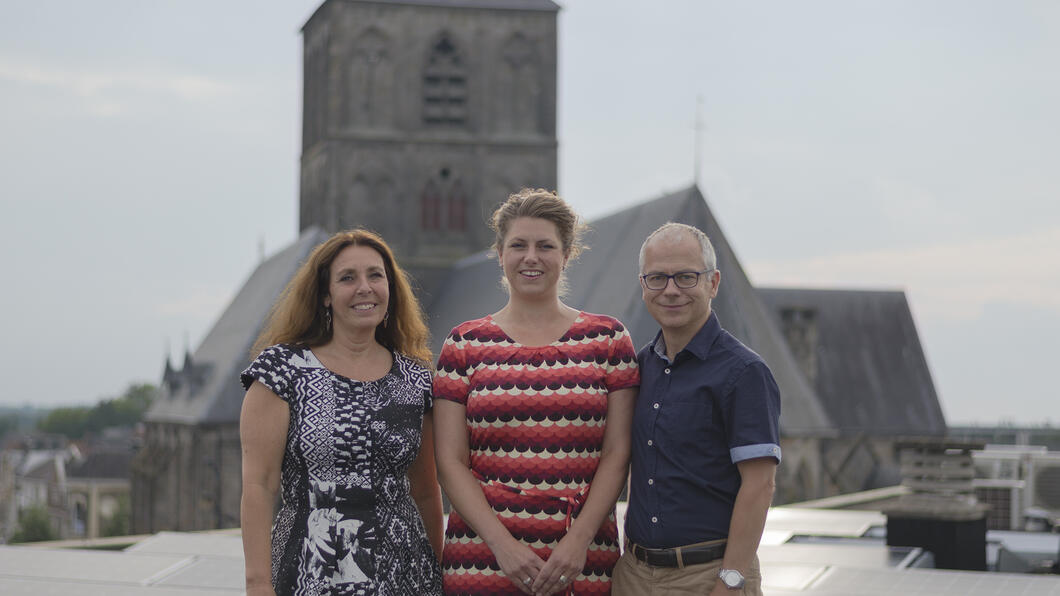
column 682, row 279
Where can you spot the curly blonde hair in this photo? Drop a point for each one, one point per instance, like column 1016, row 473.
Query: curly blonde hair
column 542, row 204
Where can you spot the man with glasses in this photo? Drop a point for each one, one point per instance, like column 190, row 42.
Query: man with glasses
column 705, row 436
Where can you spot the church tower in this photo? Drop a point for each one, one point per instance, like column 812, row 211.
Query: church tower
column 420, row 116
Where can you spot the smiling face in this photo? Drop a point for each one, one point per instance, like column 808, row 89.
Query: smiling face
column 532, row 257
column 681, row 311
column 358, row 290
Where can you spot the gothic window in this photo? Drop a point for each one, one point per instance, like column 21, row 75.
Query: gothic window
column 800, row 329
column 370, row 199
column 521, row 85
column 430, row 207
column 457, row 205
column 443, row 205
column 445, row 85
column 371, row 80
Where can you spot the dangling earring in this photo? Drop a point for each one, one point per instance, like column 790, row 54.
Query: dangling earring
column 386, row 317
column 327, row 320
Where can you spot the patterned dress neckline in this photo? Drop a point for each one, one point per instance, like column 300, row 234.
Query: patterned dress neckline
column 553, row 344
column 314, row 362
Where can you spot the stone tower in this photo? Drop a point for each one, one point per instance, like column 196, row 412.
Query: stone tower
column 419, row 116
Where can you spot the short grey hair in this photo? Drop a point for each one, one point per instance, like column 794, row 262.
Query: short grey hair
column 672, row 231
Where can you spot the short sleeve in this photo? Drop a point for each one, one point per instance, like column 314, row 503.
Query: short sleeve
column 452, row 381
column 752, row 412
column 273, row 368
column 621, row 371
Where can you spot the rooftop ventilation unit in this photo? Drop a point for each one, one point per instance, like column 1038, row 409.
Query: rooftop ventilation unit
column 1043, row 480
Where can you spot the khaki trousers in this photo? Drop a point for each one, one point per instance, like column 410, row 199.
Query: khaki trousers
column 631, row 577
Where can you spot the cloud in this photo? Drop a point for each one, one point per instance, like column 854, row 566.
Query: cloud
column 109, row 93
column 902, row 202
column 954, row 280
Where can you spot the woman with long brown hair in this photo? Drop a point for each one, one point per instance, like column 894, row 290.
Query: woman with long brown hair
column 337, row 404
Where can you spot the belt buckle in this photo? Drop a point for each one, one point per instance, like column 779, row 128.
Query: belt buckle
column 655, row 557
column 639, row 552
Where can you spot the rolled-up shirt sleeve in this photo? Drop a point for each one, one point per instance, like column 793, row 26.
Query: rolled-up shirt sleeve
column 753, row 414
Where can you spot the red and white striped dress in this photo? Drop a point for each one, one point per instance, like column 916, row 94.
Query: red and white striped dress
column 536, row 418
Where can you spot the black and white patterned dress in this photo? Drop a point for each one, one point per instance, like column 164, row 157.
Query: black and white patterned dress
column 347, row 524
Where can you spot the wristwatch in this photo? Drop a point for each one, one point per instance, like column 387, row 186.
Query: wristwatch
column 732, row 578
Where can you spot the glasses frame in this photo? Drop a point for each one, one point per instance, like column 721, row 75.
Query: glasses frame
column 644, row 279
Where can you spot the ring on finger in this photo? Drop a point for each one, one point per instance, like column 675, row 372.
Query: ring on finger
column 526, row 581
column 563, row 579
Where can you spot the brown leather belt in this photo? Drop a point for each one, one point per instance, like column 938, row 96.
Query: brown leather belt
column 681, row 556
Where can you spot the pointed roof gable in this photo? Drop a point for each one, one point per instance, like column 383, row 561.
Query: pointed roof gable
column 207, row 389
column 604, row 280
column 871, row 372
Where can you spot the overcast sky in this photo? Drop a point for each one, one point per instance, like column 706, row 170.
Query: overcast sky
column 148, row 150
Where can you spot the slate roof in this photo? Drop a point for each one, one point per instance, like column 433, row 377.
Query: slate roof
column 542, row 5
column 207, row 390
column 102, row 464
column 604, row 280
column 872, row 375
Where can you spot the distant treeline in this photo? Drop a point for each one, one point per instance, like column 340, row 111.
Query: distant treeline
column 75, row 422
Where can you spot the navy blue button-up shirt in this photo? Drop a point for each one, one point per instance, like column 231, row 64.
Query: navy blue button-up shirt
column 715, row 405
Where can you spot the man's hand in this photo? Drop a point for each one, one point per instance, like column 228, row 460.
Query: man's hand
column 721, row 590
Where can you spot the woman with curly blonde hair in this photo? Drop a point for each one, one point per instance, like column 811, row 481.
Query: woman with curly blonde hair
column 338, row 405
column 533, row 409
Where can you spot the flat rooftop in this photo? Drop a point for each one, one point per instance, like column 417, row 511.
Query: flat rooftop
column 804, row 552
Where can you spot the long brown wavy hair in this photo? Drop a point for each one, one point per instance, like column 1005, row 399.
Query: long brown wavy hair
column 298, row 315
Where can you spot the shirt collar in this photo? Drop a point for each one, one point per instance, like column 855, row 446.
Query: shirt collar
column 700, row 343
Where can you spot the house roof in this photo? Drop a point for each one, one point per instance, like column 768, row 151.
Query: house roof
column 872, row 375
column 207, row 390
column 604, row 280
column 102, row 464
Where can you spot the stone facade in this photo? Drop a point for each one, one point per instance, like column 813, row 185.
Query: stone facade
column 420, row 118
column 187, row 477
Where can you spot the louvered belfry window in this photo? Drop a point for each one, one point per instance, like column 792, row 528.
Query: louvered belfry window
column 445, row 85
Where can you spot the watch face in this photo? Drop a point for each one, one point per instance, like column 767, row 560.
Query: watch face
column 731, row 578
